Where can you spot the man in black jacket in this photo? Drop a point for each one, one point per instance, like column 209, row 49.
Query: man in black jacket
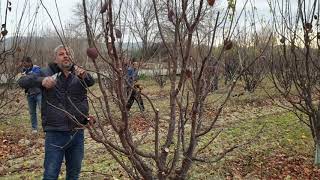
column 64, row 112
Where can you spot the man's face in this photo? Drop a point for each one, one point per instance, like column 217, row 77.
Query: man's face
column 62, row 58
column 135, row 65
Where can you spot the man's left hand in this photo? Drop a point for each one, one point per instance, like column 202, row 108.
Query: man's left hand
column 80, row 72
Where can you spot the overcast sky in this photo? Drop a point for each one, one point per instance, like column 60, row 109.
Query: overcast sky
column 42, row 21
column 66, row 12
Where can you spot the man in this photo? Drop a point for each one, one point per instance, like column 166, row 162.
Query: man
column 135, row 93
column 33, row 94
column 64, row 112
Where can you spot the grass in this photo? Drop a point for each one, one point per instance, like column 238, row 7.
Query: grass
column 281, row 133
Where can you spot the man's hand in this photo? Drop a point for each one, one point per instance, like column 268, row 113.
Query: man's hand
column 91, row 119
column 22, row 74
column 48, row 82
column 80, row 72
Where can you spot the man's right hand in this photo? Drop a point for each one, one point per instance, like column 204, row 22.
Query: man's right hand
column 48, row 82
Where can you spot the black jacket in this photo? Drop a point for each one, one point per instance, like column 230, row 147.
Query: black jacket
column 64, row 106
column 36, row 71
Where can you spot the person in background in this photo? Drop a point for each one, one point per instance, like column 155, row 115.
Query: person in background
column 65, row 112
column 134, row 93
column 33, row 93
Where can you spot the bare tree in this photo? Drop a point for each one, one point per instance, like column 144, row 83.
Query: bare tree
column 170, row 146
column 142, row 26
column 93, row 18
column 10, row 55
column 252, row 39
column 295, row 61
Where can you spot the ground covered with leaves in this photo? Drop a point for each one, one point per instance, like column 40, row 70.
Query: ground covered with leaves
column 283, row 149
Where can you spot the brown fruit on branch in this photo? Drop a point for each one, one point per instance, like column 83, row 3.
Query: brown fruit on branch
column 227, row 44
column 282, row 40
column 170, row 15
column 211, row 2
column 315, row 17
column 118, row 33
column 92, row 53
column 4, row 32
column 308, row 26
column 318, row 35
column 104, row 8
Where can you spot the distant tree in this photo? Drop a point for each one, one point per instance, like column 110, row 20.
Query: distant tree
column 253, row 38
column 77, row 27
column 160, row 75
column 142, row 27
column 10, row 56
column 295, row 61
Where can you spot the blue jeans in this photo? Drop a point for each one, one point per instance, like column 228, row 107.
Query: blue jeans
column 33, row 102
column 59, row 145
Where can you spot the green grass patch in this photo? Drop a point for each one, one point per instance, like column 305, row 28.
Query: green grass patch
column 281, row 133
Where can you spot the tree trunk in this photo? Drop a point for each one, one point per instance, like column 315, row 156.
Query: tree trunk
column 317, row 154
column 316, row 136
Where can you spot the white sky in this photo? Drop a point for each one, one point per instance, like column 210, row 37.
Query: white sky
column 42, row 22
column 66, row 12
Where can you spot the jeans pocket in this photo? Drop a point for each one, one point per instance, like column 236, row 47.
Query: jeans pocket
column 56, row 139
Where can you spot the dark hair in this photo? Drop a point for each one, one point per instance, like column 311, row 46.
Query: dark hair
column 27, row 59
